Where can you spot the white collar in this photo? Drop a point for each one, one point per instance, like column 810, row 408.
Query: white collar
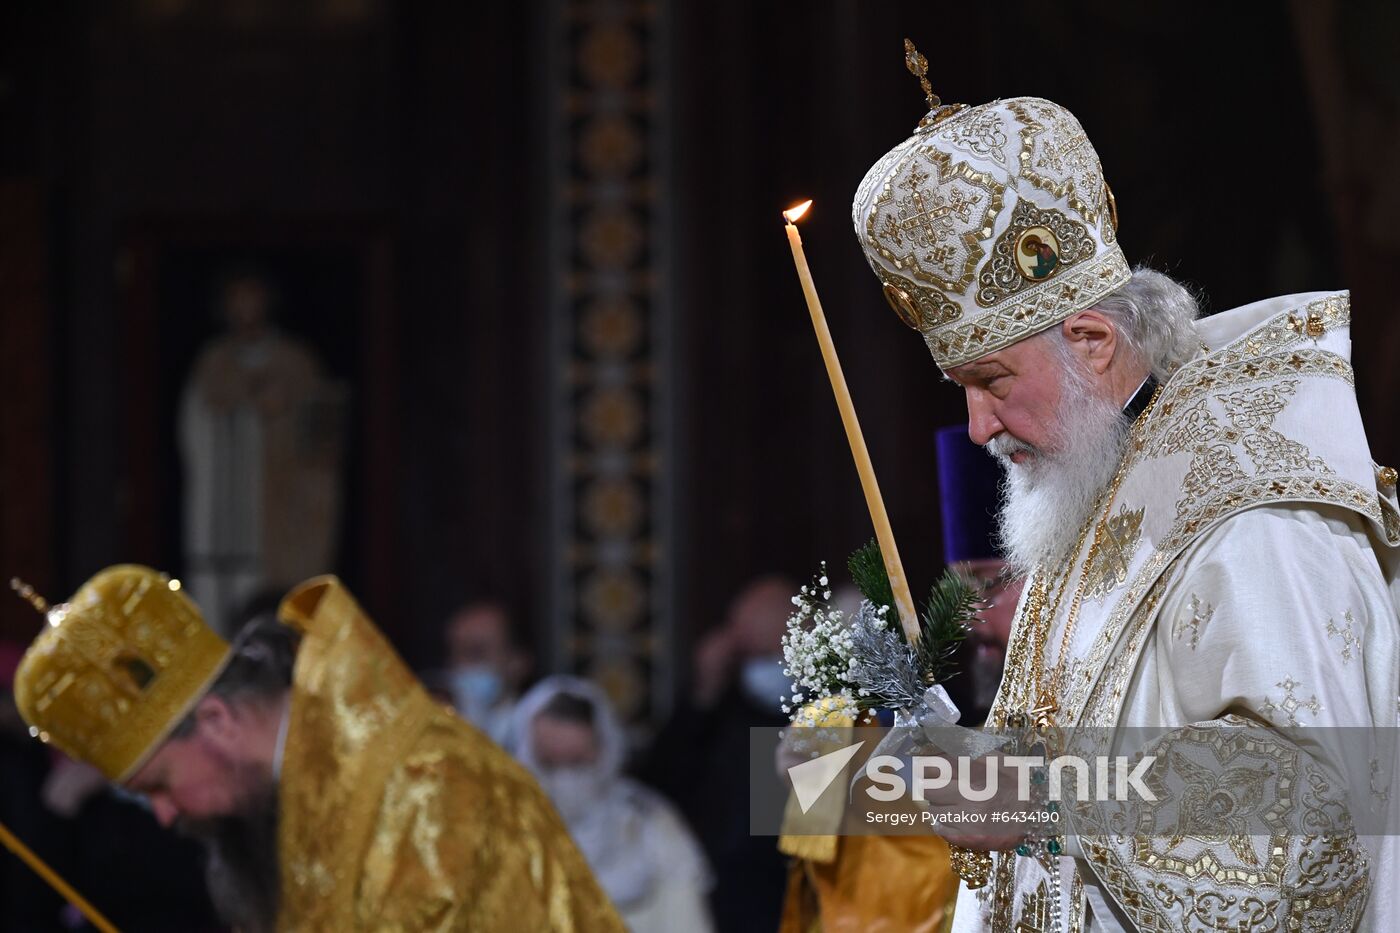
column 281, row 739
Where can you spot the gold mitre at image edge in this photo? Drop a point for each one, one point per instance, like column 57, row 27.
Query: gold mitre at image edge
column 117, row 668
column 989, row 224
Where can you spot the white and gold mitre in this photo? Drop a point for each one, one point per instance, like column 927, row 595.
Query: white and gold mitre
column 117, row 668
column 989, row 224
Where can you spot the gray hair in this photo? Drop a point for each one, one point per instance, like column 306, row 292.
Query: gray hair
column 1153, row 314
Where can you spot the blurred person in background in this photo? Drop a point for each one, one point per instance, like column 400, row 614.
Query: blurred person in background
column 261, row 431
column 701, row 758
column 643, row 854
column 486, row 667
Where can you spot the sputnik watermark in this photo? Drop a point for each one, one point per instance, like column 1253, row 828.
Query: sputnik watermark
column 1102, row 778
column 1112, row 778
column 1248, row 780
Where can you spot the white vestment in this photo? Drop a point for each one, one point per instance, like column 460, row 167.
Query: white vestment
column 1246, row 574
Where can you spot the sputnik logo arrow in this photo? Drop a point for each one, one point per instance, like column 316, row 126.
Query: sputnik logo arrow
column 811, row 778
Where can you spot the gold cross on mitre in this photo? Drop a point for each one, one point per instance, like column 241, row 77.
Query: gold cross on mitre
column 918, row 67
column 29, row 595
column 12, row 842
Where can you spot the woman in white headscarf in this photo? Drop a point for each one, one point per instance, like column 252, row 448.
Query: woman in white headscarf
column 642, row 853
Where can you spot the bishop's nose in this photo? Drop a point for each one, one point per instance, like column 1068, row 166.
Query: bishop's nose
column 982, row 422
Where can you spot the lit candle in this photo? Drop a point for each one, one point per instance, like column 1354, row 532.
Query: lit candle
column 884, row 534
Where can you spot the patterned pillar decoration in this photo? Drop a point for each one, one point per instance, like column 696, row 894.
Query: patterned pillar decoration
column 611, row 616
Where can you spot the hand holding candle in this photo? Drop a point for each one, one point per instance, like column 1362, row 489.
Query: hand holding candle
column 884, row 534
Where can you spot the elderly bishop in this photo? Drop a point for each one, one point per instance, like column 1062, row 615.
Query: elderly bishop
column 1206, row 538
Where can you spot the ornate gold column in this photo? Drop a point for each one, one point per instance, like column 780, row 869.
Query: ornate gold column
column 611, row 373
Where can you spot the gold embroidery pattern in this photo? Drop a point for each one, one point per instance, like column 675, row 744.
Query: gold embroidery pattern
column 1226, row 801
column 1112, row 687
column 1347, row 633
column 1108, row 224
column 1217, row 486
column 1003, row 890
column 1215, row 482
column 1183, row 409
column 1201, row 377
column 1038, row 307
column 1032, row 911
column 1001, row 278
column 1253, row 410
column 1391, row 519
column 875, row 178
column 1056, row 157
column 935, row 308
column 981, row 134
column 1102, row 710
column 1118, row 540
column 1258, row 491
column 1290, row 705
column 1282, row 331
column 930, row 209
column 1035, row 911
column 1318, row 880
column 1380, row 787
column 1014, row 692
column 1213, row 462
column 1099, row 711
column 930, row 217
column 1200, row 615
column 1076, row 904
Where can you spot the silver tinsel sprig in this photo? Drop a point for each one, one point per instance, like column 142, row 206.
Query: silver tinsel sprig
column 883, row 667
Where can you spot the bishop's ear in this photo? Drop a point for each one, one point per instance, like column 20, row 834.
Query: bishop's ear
column 1092, row 337
column 216, row 722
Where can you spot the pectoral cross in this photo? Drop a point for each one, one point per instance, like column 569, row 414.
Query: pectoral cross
column 1043, row 713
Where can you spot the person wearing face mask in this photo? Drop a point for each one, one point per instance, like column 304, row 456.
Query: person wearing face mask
column 646, row 859
column 737, row 684
column 485, row 667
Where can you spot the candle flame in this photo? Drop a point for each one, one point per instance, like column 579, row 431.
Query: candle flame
column 793, row 214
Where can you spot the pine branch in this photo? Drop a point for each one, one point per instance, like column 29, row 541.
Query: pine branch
column 947, row 618
column 867, row 568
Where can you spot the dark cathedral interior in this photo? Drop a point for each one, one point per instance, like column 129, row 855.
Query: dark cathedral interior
column 539, row 342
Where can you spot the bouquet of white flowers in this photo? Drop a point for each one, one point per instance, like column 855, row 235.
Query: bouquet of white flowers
column 863, row 662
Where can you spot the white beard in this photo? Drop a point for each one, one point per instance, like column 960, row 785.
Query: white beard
column 1047, row 497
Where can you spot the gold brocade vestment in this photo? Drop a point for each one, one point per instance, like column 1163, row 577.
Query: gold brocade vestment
column 398, row 816
column 874, row 884
column 845, row 880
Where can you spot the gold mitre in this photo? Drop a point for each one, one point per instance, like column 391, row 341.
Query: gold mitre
column 117, row 668
column 989, row 224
